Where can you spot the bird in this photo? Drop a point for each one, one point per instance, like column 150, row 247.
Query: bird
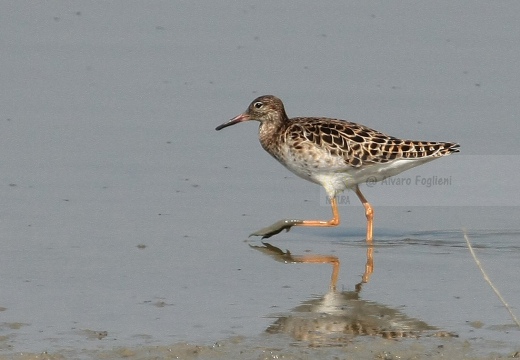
column 336, row 154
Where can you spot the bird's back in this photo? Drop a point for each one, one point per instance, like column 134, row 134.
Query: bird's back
column 356, row 144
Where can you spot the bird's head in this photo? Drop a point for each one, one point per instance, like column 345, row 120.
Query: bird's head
column 266, row 108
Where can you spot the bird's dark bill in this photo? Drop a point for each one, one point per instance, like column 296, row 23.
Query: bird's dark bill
column 235, row 120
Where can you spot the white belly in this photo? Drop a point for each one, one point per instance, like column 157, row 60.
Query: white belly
column 335, row 176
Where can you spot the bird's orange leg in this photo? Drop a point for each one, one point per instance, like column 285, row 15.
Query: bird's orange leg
column 332, row 222
column 369, row 212
column 286, row 224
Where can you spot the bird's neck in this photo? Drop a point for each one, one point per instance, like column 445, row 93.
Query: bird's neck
column 270, row 133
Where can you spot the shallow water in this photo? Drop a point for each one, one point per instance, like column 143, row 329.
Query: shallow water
column 125, row 216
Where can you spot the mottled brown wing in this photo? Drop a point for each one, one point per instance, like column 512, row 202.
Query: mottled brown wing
column 359, row 145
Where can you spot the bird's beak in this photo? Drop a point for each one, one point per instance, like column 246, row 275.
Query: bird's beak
column 235, row 120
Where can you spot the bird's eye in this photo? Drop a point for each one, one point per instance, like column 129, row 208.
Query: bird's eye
column 258, row 104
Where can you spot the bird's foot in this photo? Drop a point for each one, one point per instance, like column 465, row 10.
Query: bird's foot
column 276, row 228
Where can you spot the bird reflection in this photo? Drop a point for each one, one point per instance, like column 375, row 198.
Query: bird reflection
column 339, row 316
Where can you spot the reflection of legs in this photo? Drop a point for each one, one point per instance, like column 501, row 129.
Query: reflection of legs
column 312, row 259
column 321, row 259
column 286, row 257
column 369, row 213
column 369, row 268
column 332, row 222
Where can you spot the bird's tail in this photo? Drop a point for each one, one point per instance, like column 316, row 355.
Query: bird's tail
column 421, row 149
